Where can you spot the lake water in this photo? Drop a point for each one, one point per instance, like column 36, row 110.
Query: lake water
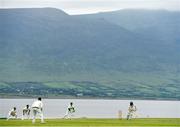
column 56, row 108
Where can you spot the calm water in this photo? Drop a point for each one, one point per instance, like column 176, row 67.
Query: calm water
column 56, row 108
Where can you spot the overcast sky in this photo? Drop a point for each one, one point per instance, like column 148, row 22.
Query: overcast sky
column 92, row 6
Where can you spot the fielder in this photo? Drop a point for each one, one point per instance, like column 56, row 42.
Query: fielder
column 37, row 109
column 131, row 111
column 12, row 114
column 26, row 112
column 70, row 111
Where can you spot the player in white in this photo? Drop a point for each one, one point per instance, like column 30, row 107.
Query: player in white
column 131, row 111
column 70, row 111
column 12, row 114
column 37, row 109
column 26, row 112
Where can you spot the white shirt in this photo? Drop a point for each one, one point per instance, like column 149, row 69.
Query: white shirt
column 12, row 112
column 25, row 108
column 71, row 109
column 37, row 104
column 132, row 108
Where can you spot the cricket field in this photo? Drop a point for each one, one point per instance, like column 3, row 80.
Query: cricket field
column 148, row 122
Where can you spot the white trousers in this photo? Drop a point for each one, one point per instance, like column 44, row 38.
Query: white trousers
column 26, row 113
column 69, row 114
column 37, row 112
column 11, row 115
column 131, row 115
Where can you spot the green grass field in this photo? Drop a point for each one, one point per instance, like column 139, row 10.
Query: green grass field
column 94, row 123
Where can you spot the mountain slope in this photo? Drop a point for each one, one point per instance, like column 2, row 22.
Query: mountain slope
column 47, row 47
column 160, row 24
column 35, row 41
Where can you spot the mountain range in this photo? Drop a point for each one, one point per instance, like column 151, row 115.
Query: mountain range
column 121, row 54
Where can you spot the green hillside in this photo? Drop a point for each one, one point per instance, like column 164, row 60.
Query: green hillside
column 44, row 51
column 120, row 86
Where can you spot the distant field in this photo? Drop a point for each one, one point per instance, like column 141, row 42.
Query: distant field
column 94, row 122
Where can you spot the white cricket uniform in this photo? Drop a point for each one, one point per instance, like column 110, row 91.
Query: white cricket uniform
column 131, row 112
column 26, row 112
column 70, row 112
column 12, row 114
column 37, row 108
